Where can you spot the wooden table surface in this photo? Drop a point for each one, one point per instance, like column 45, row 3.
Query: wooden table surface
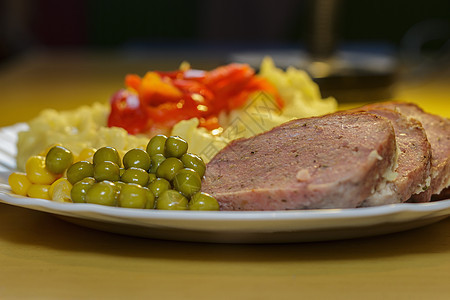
column 43, row 257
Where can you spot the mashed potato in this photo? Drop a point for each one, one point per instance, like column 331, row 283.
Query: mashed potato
column 87, row 125
column 76, row 130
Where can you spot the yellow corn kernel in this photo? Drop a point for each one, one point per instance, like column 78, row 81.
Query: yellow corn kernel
column 86, row 154
column 44, row 153
column 19, row 183
column 37, row 172
column 39, row 191
column 60, row 190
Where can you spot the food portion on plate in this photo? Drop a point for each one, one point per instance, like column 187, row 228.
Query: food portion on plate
column 206, row 109
column 384, row 153
column 265, row 141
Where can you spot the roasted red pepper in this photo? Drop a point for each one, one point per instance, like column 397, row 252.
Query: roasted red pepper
column 159, row 100
column 128, row 113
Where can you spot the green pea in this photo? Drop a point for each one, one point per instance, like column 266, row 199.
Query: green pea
column 107, row 154
column 103, row 193
column 135, row 175
column 156, row 159
column 80, row 170
column 137, row 158
column 194, row 162
column 156, row 145
column 203, row 201
column 172, row 200
column 158, row 186
column 132, row 196
column 58, row 159
column 150, row 199
column 79, row 189
column 106, row 170
column 169, row 167
column 187, row 182
column 175, row 147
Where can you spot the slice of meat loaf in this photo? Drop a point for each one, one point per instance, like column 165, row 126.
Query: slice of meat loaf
column 334, row 161
column 413, row 162
column 438, row 133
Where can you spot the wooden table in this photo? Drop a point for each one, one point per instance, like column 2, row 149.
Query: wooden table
column 43, row 257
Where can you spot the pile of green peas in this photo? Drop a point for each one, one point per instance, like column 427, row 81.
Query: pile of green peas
column 164, row 176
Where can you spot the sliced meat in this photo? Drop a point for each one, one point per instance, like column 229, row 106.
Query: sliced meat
column 334, row 161
column 438, row 133
column 413, row 162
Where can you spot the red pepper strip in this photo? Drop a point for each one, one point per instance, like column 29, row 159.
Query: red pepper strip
column 210, row 123
column 133, row 81
column 192, row 87
column 155, row 90
column 230, row 86
column 170, row 113
column 261, row 84
column 229, row 79
column 127, row 113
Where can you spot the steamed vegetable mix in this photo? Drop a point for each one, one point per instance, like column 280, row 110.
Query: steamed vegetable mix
column 164, row 176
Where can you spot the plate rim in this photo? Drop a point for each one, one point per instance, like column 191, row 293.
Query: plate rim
column 285, row 215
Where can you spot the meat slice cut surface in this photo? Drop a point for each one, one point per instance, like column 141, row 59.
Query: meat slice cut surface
column 333, row 161
column 413, row 162
column 437, row 129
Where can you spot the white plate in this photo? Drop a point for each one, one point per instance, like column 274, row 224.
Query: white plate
column 227, row 227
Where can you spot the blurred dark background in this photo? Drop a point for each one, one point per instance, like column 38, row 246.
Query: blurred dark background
column 116, row 24
column 410, row 31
